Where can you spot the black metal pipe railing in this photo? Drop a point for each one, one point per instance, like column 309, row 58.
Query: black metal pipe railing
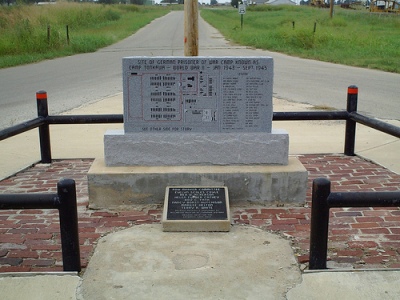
column 65, row 202
column 44, row 129
column 350, row 115
column 29, row 201
column 21, row 128
column 323, row 200
column 310, row 115
column 364, row 199
column 350, row 133
column 376, row 124
column 85, row 119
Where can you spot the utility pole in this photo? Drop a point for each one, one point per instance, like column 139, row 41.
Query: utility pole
column 191, row 30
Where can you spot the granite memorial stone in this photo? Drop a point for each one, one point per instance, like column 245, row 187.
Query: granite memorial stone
column 197, row 111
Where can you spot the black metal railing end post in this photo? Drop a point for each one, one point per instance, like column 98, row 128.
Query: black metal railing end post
column 44, row 131
column 319, row 223
column 350, row 135
column 69, row 225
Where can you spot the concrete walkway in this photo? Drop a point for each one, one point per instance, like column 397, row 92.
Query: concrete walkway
column 245, row 263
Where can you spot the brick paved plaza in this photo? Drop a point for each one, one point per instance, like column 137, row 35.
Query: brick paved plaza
column 358, row 237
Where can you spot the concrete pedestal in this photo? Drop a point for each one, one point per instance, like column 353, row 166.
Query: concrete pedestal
column 189, row 149
column 116, row 187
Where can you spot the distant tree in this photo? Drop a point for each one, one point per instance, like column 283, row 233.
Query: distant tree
column 235, row 3
column 214, row 2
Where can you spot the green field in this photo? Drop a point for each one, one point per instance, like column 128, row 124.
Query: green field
column 356, row 38
column 31, row 33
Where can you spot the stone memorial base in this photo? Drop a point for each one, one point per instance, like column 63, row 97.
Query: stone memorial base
column 183, row 149
column 115, row 187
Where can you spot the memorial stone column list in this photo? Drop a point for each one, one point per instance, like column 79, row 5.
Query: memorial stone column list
column 197, row 94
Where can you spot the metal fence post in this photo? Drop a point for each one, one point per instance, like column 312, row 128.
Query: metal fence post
column 319, row 223
column 350, row 138
column 44, row 131
column 69, row 225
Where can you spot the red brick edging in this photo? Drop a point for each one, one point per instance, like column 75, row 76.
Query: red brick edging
column 362, row 237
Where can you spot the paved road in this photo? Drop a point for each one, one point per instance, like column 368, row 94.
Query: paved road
column 75, row 80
